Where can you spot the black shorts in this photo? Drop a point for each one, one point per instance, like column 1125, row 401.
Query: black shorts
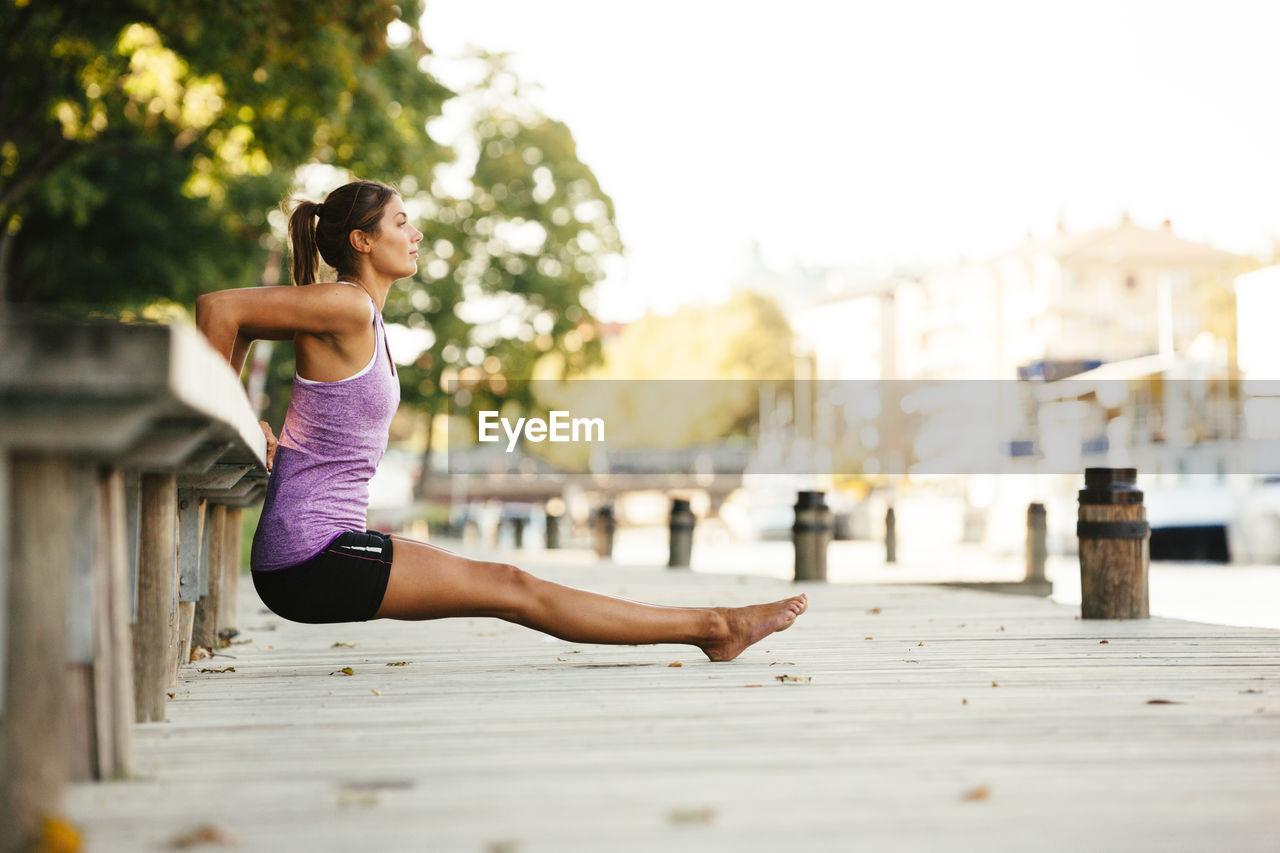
column 343, row 583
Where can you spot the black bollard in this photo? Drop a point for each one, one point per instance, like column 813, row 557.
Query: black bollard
column 1114, row 553
column 553, row 531
column 603, row 526
column 1037, row 543
column 810, row 534
column 890, row 536
column 517, row 527
column 682, row 522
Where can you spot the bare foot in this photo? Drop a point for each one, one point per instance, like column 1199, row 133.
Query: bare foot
column 744, row 626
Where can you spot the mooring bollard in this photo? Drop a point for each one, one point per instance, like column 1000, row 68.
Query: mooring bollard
column 1114, row 555
column 1037, row 543
column 890, row 536
column 811, row 533
column 681, row 526
column 517, row 527
column 553, row 531
column 603, row 526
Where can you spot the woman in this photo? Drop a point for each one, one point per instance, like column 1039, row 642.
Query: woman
column 313, row 561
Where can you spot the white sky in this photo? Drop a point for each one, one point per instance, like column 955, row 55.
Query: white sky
column 855, row 132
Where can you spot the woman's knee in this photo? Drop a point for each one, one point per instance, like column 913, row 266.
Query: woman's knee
column 523, row 590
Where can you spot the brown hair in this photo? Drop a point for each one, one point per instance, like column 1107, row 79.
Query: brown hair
column 325, row 229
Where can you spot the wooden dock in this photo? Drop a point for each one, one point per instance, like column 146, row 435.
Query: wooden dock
column 888, row 718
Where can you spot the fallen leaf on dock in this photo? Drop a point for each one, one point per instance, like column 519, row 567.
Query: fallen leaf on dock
column 1162, row 702
column 359, row 797
column 60, row 835
column 343, row 646
column 753, row 685
column 200, row 653
column 974, row 795
column 921, row 643
column 783, row 663
column 868, row 638
column 1251, row 690
column 797, row 679
column 400, row 663
column 204, row 834
column 994, row 684
column 346, row 670
column 375, row 691
column 677, row 663
column 1103, row 642
column 503, row 847
column 873, row 611
column 228, row 669
column 964, row 701
column 705, row 814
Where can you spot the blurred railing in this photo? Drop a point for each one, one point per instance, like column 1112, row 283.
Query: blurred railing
column 126, row 455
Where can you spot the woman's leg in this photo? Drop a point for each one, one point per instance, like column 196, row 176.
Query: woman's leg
column 431, row 583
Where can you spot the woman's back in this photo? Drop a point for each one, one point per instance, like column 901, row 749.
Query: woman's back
column 334, row 435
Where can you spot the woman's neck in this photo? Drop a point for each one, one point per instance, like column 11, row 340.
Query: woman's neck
column 376, row 288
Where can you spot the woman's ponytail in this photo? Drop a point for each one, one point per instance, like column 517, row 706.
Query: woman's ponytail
column 302, row 242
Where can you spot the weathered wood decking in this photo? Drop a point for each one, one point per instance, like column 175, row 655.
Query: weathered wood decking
column 925, row 718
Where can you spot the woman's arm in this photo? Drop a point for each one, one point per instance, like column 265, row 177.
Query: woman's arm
column 231, row 320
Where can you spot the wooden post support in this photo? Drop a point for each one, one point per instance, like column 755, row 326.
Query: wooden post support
column 204, row 631
column 41, row 546
column 157, row 550
column 1037, row 543
column 811, row 534
column 1114, row 554
column 890, row 536
column 84, row 590
column 228, row 605
column 113, row 660
column 680, row 534
column 190, row 519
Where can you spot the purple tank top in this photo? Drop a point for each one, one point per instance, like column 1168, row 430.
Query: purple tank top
column 334, row 435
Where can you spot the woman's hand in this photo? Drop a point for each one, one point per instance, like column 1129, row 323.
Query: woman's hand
column 271, row 442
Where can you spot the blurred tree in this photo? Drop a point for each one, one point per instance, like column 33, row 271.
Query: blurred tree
column 142, row 142
column 675, row 382
column 516, row 232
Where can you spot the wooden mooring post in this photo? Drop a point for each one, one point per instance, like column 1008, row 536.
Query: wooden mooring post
column 1114, row 556
column 114, row 442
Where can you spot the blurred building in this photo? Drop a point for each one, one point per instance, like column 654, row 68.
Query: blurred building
column 1072, row 301
column 1050, row 307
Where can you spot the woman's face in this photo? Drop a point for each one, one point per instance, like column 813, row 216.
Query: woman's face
column 395, row 246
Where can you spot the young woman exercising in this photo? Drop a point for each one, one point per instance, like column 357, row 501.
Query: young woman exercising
column 313, row 560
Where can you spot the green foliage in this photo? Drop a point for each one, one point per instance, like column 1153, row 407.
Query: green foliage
column 506, row 262
column 676, row 382
column 145, row 143
column 116, row 113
